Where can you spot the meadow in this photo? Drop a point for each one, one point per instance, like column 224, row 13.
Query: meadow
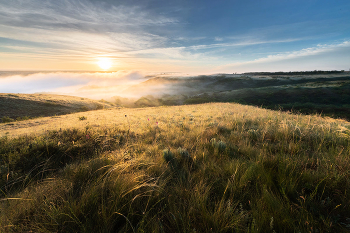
column 216, row 167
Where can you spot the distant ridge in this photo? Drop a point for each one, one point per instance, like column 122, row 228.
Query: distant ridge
column 299, row 72
column 17, row 106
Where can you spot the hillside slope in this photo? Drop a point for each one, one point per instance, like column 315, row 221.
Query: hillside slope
column 198, row 168
column 35, row 105
column 326, row 94
column 193, row 85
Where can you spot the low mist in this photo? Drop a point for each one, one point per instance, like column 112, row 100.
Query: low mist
column 94, row 85
column 104, row 85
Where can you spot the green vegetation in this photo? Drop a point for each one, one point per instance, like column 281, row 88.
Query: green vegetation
column 81, row 118
column 278, row 91
column 6, row 119
column 200, row 168
column 24, row 118
column 328, row 101
column 299, row 72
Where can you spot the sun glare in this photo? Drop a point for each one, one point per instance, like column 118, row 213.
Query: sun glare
column 104, row 63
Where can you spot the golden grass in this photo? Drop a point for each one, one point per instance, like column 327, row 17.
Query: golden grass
column 196, row 117
column 217, row 167
column 66, row 100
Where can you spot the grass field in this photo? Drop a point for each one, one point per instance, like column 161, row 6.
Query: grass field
column 217, row 167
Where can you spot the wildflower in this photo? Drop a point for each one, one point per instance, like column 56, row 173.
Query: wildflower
column 87, row 136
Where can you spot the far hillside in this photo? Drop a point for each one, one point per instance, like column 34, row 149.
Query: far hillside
column 325, row 93
column 23, row 106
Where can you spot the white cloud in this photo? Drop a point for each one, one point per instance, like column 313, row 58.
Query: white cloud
column 302, row 53
column 170, row 52
column 244, row 42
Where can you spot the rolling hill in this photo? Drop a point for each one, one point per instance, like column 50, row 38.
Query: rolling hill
column 218, row 167
column 327, row 94
column 34, row 105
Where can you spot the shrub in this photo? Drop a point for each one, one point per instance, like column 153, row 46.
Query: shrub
column 22, row 118
column 220, row 145
column 6, row 119
column 168, row 156
column 82, row 118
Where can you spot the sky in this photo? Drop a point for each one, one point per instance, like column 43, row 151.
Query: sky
column 221, row 36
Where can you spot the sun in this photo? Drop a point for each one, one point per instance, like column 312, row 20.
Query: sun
column 104, row 63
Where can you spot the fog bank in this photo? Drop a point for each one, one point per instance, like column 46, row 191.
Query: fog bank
column 94, row 85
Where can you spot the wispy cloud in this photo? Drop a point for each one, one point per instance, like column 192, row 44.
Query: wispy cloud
column 302, row 53
column 244, row 42
column 320, row 51
column 77, row 15
column 79, row 26
column 85, row 29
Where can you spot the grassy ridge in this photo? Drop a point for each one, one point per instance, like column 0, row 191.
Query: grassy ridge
column 24, row 106
column 200, row 168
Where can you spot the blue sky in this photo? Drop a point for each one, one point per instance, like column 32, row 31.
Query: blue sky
column 175, row 36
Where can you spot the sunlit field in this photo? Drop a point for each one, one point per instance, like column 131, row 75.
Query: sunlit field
column 216, row 167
